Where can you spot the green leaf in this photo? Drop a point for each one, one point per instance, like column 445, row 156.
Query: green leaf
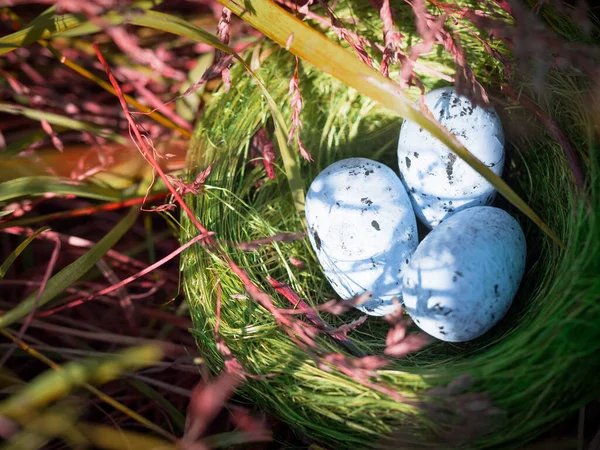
column 17, row 251
column 54, row 384
column 68, row 25
column 58, row 120
column 26, row 186
column 73, row 272
column 43, row 27
column 110, row 438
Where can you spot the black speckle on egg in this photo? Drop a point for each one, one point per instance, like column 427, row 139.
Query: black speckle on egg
column 366, row 201
column 416, row 154
column 406, row 260
column 413, row 190
column 375, row 225
column 408, row 162
column 317, row 240
column 450, row 165
column 496, row 292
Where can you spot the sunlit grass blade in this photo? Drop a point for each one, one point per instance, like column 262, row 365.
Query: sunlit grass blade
column 43, row 28
column 110, row 438
column 49, row 24
column 63, row 121
column 101, row 395
column 17, row 251
column 57, row 421
column 55, row 384
column 73, row 272
column 78, row 25
column 313, row 47
column 30, row 186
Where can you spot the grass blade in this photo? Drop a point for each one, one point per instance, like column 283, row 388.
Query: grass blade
column 44, row 27
column 62, row 121
column 174, row 414
column 54, row 384
column 316, row 49
column 26, row 186
column 17, row 251
column 56, row 422
column 72, row 272
column 101, row 395
column 110, row 438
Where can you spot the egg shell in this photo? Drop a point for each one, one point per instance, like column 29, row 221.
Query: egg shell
column 363, row 230
column 440, row 183
column 464, row 275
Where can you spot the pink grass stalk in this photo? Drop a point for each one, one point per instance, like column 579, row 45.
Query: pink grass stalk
column 339, row 334
column 262, row 145
column 223, row 32
column 294, row 92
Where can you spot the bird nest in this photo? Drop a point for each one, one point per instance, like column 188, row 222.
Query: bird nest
column 327, row 372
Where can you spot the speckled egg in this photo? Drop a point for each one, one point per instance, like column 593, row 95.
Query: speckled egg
column 463, row 276
column 363, row 230
column 440, row 183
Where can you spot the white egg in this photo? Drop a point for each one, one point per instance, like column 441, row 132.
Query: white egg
column 440, row 183
column 463, row 276
column 363, row 230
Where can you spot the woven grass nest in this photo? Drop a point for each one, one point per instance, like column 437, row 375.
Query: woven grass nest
column 534, row 368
